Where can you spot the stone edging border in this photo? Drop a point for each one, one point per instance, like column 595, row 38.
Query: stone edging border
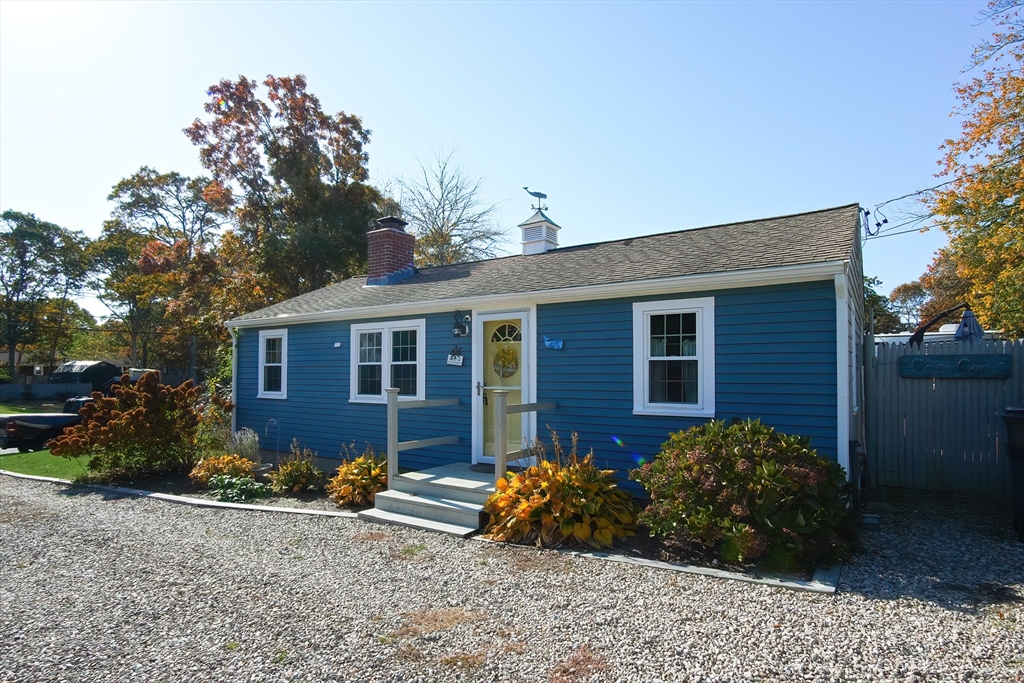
column 185, row 500
column 825, row 580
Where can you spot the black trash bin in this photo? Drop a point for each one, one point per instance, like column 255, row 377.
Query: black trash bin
column 1013, row 416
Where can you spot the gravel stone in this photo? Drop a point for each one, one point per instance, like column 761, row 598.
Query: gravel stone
column 98, row 586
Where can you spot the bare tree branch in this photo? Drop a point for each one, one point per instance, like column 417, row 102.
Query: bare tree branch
column 451, row 222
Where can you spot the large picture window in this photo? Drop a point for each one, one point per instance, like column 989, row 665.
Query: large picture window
column 674, row 357
column 390, row 354
column 273, row 372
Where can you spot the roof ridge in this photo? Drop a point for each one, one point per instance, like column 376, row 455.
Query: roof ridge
column 656, row 234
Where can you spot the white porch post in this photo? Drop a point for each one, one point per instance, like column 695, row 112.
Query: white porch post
column 392, row 433
column 500, row 397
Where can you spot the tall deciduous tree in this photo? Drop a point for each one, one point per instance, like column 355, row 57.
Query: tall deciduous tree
column 945, row 288
column 906, row 301
column 37, row 259
column 982, row 209
column 181, row 220
column 296, row 176
column 886, row 320
column 131, row 295
column 451, row 220
column 169, row 208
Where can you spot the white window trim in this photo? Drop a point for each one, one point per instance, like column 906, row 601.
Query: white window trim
column 385, row 328
column 704, row 307
column 273, row 334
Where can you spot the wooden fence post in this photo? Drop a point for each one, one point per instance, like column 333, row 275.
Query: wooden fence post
column 392, row 433
column 500, row 397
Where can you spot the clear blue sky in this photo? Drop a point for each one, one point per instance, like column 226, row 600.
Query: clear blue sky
column 633, row 118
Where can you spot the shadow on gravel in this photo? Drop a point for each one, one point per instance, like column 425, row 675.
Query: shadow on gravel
column 957, row 552
column 75, row 491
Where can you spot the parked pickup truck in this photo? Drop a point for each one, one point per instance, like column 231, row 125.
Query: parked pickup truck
column 30, row 431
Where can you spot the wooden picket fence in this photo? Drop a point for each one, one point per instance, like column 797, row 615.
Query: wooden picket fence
column 940, row 434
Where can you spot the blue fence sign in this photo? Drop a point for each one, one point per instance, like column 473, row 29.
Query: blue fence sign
column 953, row 366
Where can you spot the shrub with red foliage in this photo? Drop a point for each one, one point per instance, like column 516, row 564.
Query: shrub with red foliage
column 145, row 428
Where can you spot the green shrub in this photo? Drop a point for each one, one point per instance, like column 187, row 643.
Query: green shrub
column 230, row 465
column 297, row 471
column 358, row 479
column 214, row 428
column 565, row 500
column 748, row 492
column 147, row 428
column 228, row 489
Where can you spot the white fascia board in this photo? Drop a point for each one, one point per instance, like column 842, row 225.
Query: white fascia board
column 733, row 279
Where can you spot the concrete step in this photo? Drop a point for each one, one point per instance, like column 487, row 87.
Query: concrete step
column 385, row 517
column 430, row 507
column 449, row 487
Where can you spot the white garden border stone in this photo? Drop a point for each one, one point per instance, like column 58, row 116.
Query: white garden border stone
column 184, row 500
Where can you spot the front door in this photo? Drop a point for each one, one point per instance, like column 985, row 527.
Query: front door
column 505, row 363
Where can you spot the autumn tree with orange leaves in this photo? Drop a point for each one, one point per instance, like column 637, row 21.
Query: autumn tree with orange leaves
column 982, row 209
column 296, row 178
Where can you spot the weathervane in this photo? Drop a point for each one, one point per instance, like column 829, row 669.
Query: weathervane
column 540, row 198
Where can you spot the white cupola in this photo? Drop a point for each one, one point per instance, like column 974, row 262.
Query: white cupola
column 540, row 233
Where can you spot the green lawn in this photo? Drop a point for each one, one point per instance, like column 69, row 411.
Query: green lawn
column 43, row 464
column 53, row 406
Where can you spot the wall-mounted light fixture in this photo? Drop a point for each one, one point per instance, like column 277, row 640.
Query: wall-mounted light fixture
column 461, row 327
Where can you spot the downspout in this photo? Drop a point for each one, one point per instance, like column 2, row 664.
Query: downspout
column 234, row 375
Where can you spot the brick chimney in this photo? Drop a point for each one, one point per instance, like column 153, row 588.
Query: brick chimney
column 389, row 252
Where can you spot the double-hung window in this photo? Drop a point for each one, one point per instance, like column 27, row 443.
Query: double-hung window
column 674, row 357
column 273, row 372
column 388, row 354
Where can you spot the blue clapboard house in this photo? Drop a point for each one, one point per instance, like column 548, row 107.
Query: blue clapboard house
column 622, row 342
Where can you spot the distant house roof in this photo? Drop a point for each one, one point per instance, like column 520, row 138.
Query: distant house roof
column 806, row 238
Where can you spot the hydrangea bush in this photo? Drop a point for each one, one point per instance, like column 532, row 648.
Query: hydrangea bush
column 748, row 492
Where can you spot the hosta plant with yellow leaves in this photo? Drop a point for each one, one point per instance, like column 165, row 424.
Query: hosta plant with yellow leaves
column 223, row 465
column 567, row 499
column 297, row 472
column 359, row 478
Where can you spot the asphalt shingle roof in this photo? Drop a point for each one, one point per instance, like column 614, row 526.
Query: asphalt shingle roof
column 815, row 237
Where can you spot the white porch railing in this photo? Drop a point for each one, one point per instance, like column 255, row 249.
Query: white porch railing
column 501, row 412
column 394, row 445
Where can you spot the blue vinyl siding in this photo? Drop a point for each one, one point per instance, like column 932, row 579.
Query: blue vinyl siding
column 317, row 410
column 775, row 357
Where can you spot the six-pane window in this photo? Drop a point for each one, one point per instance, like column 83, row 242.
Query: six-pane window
column 370, row 363
column 273, row 370
column 272, row 364
column 403, row 361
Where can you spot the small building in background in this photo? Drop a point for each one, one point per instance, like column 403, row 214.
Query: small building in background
column 98, row 373
column 944, row 333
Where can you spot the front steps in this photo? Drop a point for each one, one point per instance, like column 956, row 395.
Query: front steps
column 448, row 499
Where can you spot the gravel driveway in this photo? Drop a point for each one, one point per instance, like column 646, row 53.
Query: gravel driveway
column 96, row 587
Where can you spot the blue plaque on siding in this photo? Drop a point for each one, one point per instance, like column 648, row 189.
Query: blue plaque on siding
column 952, row 366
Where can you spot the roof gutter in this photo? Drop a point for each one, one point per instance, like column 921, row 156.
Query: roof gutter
column 732, row 279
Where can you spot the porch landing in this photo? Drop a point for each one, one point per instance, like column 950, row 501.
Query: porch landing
column 448, row 499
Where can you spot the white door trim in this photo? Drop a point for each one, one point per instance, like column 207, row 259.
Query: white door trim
column 528, row 314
